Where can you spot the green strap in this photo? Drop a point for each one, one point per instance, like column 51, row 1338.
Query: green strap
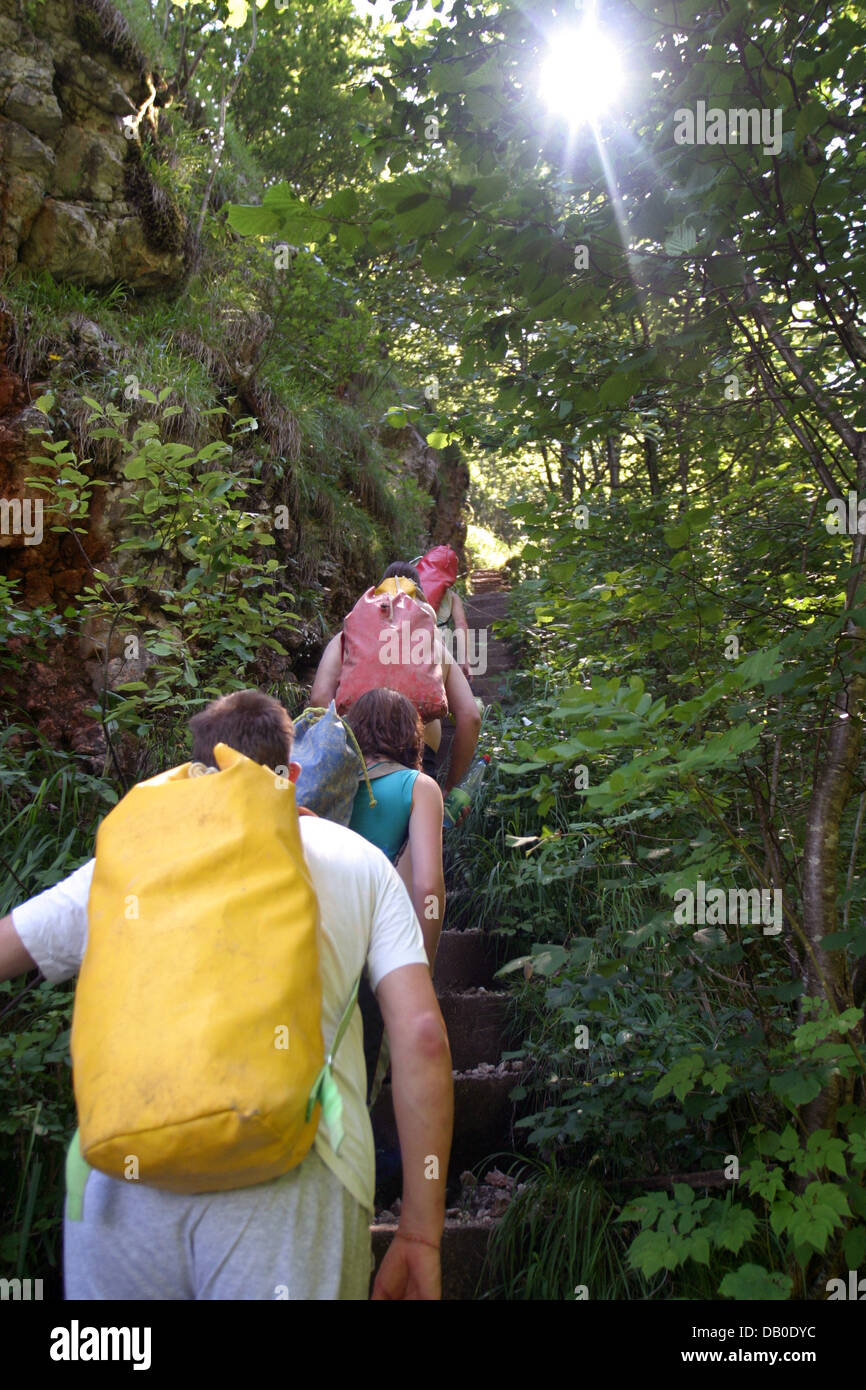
column 325, row 1089
column 77, row 1173
column 382, row 1064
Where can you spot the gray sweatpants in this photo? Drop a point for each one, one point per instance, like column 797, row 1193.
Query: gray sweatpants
column 302, row 1236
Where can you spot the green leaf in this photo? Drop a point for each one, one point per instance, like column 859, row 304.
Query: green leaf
column 754, row 1282
column 735, row 1228
column 419, row 220
column 342, row 205
column 681, row 241
column 676, row 536
column 548, row 961
column 253, row 221
column 512, row 965
column 854, row 1246
column 794, row 1088
column 681, row 1078
column 437, row 262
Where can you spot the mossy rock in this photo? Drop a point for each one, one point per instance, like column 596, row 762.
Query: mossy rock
column 165, row 226
column 99, row 26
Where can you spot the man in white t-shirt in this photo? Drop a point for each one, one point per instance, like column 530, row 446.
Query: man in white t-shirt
column 304, row 1235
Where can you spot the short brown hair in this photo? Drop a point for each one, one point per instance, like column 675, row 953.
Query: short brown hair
column 384, row 721
column 401, row 570
column 250, row 722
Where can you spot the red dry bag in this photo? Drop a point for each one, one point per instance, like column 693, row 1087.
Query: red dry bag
column 390, row 640
column 437, row 571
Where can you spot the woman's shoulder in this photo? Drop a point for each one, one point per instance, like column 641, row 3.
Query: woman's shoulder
column 427, row 787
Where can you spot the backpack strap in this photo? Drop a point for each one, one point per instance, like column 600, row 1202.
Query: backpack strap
column 325, row 1089
column 384, row 769
column 78, row 1170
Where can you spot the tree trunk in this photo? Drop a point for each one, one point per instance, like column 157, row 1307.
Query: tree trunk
column 581, row 476
column 566, row 474
column 651, row 458
column 543, row 448
column 612, row 445
column 826, row 972
column 684, row 471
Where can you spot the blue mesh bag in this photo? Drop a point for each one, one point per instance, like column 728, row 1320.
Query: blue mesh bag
column 331, row 764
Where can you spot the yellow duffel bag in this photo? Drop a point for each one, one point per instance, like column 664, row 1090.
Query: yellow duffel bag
column 197, row 1051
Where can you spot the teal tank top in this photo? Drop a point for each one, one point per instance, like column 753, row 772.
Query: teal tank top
column 385, row 824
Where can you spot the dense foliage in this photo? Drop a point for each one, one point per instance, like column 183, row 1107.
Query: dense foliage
column 651, row 350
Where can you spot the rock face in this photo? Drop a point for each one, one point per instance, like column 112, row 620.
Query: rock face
column 76, row 199
column 77, row 203
column 445, row 475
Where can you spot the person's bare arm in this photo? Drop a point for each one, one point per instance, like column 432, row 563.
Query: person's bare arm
column 427, row 884
column 14, row 960
column 458, row 616
column 327, row 676
column 423, row 1092
column 467, row 722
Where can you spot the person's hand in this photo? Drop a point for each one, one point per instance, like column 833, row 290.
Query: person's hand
column 409, row 1271
column 459, row 813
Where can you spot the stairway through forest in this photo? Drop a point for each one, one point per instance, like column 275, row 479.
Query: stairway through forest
column 473, row 1008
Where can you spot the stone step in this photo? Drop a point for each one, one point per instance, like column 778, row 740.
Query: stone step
column 486, row 609
column 488, row 689
column 494, row 670
column 496, row 645
column 487, row 586
column 482, row 1117
column 476, row 1025
column 496, row 651
column 464, row 958
column 464, row 1246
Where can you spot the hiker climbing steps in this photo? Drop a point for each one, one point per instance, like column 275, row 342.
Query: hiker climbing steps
column 474, row 1010
column 487, row 603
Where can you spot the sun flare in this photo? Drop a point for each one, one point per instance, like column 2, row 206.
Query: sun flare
column 581, row 75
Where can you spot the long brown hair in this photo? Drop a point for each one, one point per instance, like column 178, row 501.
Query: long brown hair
column 384, row 721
